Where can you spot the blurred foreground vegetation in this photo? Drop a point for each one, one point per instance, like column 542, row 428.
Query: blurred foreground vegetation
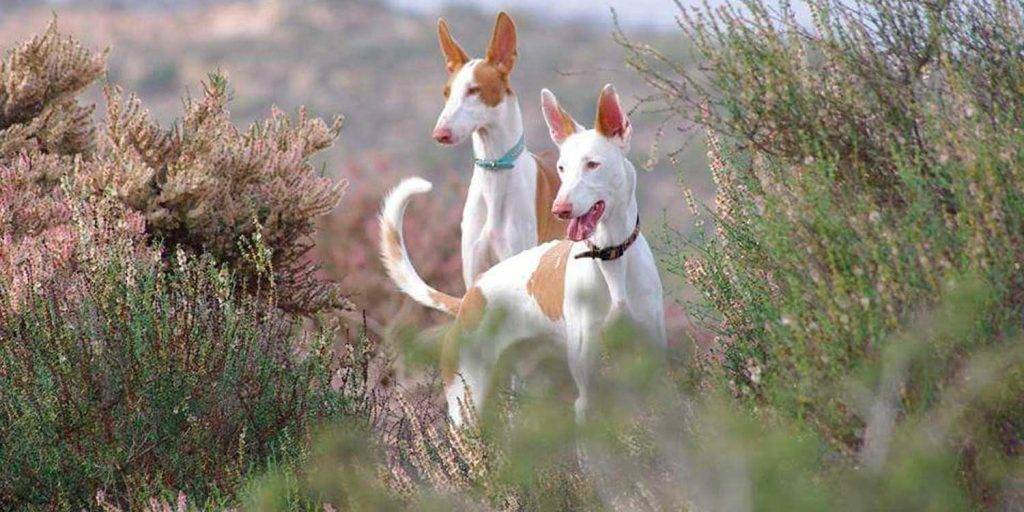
column 165, row 344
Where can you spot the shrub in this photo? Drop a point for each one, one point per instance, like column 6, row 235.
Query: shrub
column 39, row 82
column 861, row 165
column 44, row 233
column 45, row 137
column 202, row 186
column 147, row 336
column 205, row 187
column 152, row 379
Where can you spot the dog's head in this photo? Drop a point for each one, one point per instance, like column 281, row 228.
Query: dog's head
column 591, row 163
column 476, row 87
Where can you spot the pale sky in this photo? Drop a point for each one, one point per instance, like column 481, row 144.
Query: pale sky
column 635, row 13
column 631, row 12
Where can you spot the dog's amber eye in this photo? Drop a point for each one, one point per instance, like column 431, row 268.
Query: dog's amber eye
column 472, row 90
column 591, row 165
column 447, row 91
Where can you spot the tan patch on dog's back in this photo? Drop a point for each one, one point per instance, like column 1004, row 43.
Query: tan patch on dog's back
column 472, row 310
column 471, row 313
column 493, row 83
column 549, row 227
column 547, row 283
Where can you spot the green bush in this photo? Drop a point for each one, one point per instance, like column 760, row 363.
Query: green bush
column 862, row 164
column 146, row 379
column 654, row 444
column 149, row 281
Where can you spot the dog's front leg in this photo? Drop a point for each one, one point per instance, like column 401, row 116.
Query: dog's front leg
column 520, row 234
column 615, row 276
column 497, row 245
column 474, row 216
column 482, row 254
column 582, row 352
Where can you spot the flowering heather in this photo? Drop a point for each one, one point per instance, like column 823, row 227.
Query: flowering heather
column 136, row 347
column 205, row 186
column 46, row 137
column 44, row 236
column 39, row 82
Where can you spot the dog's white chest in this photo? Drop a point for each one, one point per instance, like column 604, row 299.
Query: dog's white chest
column 586, row 291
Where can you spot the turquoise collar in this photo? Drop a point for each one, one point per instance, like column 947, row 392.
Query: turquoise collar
column 507, row 161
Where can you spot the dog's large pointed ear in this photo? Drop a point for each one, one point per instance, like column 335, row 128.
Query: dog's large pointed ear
column 502, row 51
column 560, row 124
column 454, row 56
column 611, row 118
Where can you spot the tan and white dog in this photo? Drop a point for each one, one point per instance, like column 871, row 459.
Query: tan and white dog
column 511, row 190
column 568, row 290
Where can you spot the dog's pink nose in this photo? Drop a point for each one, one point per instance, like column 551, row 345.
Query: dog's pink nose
column 562, row 210
column 443, row 135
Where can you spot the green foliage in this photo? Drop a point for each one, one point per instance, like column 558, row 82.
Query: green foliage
column 152, row 379
column 652, row 444
column 862, row 166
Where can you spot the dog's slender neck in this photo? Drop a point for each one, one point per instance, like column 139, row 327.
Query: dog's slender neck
column 619, row 219
column 494, row 140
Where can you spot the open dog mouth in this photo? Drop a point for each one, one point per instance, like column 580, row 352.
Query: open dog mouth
column 580, row 228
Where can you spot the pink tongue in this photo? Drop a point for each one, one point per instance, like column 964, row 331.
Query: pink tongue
column 576, row 230
column 582, row 227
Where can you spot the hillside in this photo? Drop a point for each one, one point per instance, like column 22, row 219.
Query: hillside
column 377, row 66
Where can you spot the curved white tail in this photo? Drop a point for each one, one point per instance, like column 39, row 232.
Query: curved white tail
column 393, row 252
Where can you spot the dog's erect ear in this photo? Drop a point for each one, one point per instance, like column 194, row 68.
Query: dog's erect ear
column 454, row 56
column 560, row 123
column 501, row 53
column 611, row 119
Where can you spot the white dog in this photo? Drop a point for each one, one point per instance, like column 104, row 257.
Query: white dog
column 511, row 191
column 566, row 291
